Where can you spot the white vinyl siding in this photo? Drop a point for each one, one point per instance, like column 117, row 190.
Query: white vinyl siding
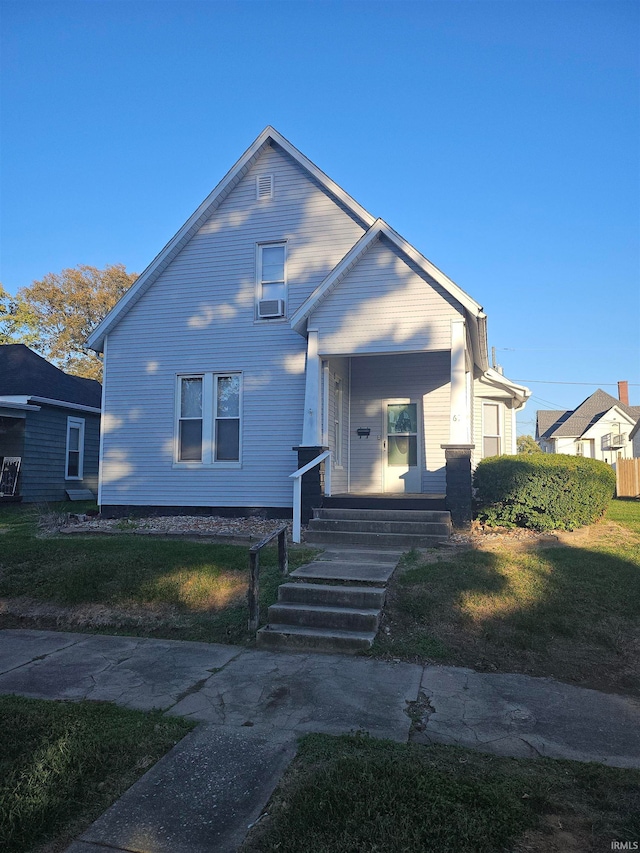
column 74, row 467
column 419, row 376
column 384, row 304
column 198, row 318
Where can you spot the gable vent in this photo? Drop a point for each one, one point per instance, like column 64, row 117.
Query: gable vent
column 264, row 186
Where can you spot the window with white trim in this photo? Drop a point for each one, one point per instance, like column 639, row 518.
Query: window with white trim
column 208, row 418
column 75, row 449
column 272, row 280
column 337, row 421
column 491, row 434
column 190, row 419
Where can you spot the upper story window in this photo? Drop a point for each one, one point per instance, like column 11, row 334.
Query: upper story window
column 75, row 449
column 208, row 418
column 272, row 280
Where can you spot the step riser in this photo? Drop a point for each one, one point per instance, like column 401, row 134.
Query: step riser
column 332, row 596
column 393, row 503
column 282, row 640
column 337, row 619
column 384, row 515
column 341, row 537
column 360, row 526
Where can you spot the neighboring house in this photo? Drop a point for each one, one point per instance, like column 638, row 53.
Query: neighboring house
column 280, row 320
column 634, row 435
column 49, row 428
column 601, row 427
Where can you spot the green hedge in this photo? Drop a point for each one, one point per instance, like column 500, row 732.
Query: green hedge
column 543, row 491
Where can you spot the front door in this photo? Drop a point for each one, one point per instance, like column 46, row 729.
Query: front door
column 401, row 446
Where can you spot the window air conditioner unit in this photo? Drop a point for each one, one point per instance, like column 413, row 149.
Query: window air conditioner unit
column 270, row 308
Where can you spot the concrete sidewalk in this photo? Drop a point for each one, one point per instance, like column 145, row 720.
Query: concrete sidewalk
column 252, row 705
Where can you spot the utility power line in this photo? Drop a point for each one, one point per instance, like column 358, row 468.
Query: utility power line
column 556, row 382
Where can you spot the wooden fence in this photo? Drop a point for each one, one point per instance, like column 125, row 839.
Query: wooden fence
column 628, row 478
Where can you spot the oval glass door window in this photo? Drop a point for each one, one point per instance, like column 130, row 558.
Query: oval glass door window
column 402, row 434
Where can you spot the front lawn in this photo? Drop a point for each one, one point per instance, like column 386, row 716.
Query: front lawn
column 62, row 764
column 176, row 589
column 347, row 794
column 567, row 610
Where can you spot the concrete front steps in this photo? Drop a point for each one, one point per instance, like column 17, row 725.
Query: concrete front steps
column 341, row 615
column 371, row 528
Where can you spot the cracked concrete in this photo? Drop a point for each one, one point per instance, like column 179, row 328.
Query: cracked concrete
column 252, row 704
column 307, row 692
column 528, row 717
column 134, row 672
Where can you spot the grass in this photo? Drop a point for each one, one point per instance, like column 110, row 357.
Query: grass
column 62, row 764
column 350, row 793
column 136, row 585
column 568, row 612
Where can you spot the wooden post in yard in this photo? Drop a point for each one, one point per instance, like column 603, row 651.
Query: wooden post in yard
column 283, row 554
column 253, row 593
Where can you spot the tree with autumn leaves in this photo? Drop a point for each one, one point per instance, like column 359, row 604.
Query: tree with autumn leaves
column 56, row 315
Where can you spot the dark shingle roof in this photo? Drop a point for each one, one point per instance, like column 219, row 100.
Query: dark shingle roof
column 25, row 373
column 577, row 421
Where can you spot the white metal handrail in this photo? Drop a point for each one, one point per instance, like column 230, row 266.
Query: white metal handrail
column 297, row 489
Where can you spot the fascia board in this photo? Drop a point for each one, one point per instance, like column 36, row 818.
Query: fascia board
column 519, row 392
column 380, row 227
column 215, row 197
column 65, row 404
column 607, row 418
column 18, row 403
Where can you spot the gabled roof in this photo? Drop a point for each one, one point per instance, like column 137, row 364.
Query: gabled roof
column 574, row 423
column 23, row 373
column 209, row 205
column 377, row 229
column 547, row 419
column 477, row 318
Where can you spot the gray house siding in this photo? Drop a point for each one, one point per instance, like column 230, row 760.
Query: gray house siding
column 385, row 304
column 44, row 458
column 199, row 316
column 424, row 377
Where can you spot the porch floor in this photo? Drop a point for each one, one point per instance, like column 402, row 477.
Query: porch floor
column 385, row 500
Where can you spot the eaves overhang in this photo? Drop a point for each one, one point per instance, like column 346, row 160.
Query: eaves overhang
column 205, row 210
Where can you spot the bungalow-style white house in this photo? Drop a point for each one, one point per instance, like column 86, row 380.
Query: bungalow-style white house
column 283, row 322
column 601, row 427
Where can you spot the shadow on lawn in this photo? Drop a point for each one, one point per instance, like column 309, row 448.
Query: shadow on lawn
column 569, row 613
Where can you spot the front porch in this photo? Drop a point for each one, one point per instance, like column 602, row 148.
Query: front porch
column 418, row 502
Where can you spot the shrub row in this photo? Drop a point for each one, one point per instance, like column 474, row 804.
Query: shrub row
column 543, row 491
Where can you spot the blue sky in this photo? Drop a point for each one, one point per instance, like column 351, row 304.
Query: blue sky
column 500, row 138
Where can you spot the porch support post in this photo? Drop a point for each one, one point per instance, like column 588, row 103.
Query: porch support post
column 459, row 483
column 311, row 425
column 313, row 482
column 459, row 426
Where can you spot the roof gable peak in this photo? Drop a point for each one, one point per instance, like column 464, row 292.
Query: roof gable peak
column 206, row 209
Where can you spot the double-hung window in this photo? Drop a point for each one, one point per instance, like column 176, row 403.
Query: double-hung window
column 227, row 418
column 272, row 280
column 208, row 418
column 491, row 436
column 75, row 449
column 190, row 421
